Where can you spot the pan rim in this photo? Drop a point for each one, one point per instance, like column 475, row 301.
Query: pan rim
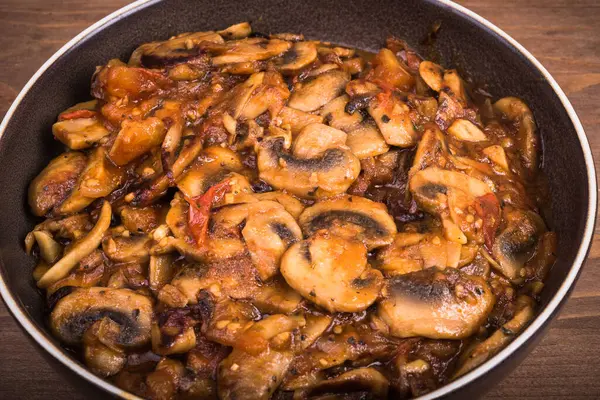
column 536, row 325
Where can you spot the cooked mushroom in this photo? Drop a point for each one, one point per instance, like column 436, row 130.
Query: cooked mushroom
column 393, row 120
column 432, row 74
column 314, row 94
column 362, row 380
column 101, row 354
column 465, row 130
column 299, row 56
column 260, row 92
column 350, row 217
column 257, row 376
column 483, row 351
column 237, row 31
column 497, row 155
column 315, row 139
column 517, row 112
column 330, row 173
column 453, row 101
column 79, row 133
column 249, row 49
column 297, row 120
column 53, row 185
column 432, row 150
column 437, row 304
column 366, row 141
column 516, row 244
column 127, row 249
column 336, row 116
column 50, row 250
column 226, row 320
column 76, row 312
column 160, row 271
column 136, row 138
column 309, row 265
column 78, row 251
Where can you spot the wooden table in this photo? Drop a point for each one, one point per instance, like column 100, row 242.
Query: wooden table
column 563, row 34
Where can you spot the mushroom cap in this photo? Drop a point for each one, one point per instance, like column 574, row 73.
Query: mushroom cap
column 76, row 312
column 351, row 217
column 314, row 94
column 310, row 265
column 437, row 304
column 298, row 57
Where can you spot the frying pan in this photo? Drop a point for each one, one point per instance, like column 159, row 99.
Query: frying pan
column 478, row 49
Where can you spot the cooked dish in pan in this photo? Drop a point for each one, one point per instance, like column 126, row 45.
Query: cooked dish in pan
column 248, row 216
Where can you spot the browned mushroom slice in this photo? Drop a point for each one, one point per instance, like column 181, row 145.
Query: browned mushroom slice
column 432, row 74
column 497, row 155
column 103, row 359
column 99, row 178
column 483, row 351
column 76, row 312
column 142, row 219
column 431, row 151
column 79, row 133
column 50, row 250
column 297, row 120
column 366, row 141
column 350, row 217
column 53, row 185
column 437, row 304
column 361, row 381
column 516, row 111
column 237, row 31
column 136, row 138
column 312, row 95
column 277, row 297
column 465, row 130
column 226, row 320
column 393, row 120
column 260, row 92
column 453, row 101
column 299, row 56
column 336, row 116
column 257, row 375
column 127, row 249
column 315, row 139
column 517, row 242
column 249, row 49
column 211, row 166
column 329, row 173
column 291, row 204
column 309, row 265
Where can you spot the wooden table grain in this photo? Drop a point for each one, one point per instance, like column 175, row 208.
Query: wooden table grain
column 563, row 34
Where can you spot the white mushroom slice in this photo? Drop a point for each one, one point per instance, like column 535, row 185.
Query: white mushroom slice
column 517, row 242
column 50, row 250
column 262, row 91
column 367, row 380
column 315, row 139
column 466, row 131
column 314, row 94
column 291, row 204
column 76, row 312
column 483, row 351
column 212, row 166
column 431, row 151
column 336, row 116
column 415, row 251
column 432, row 74
column 352, row 217
column 517, row 112
column 53, row 185
column 257, row 374
column 497, row 155
column 393, row 120
column 80, row 250
column 79, row 133
column 237, row 31
column 296, row 120
column 249, row 49
column 299, row 56
column 99, row 178
column 309, row 266
column 330, row 173
column 160, row 271
column 436, row 304
column 366, row 141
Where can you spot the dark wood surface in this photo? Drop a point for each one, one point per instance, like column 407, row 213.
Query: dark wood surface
column 563, row 34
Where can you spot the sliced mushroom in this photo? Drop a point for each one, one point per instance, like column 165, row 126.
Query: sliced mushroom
column 467, row 131
column 497, row 155
column 99, row 178
column 260, row 92
column 350, row 217
column 142, row 219
column 453, row 101
column 299, row 56
column 483, row 351
column 330, row 173
column 437, row 304
column 137, row 138
column 237, row 31
column 249, row 49
column 76, row 312
column 79, row 133
column 336, row 116
column 517, row 112
column 277, row 297
column 309, row 265
column 100, row 352
column 314, row 94
column 432, row 74
column 257, row 376
column 315, row 139
column 79, row 250
column 393, row 120
column 127, row 249
column 431, row 151
column 227, row 320
column 53, row 185
column 361, row 380
column 180, row 342
column 291, row 204
column 50, row 250
column 297, row 120
column 366, row 141
column 517, row 242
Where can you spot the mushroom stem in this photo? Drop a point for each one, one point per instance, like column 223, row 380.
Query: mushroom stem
column 80, row 250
